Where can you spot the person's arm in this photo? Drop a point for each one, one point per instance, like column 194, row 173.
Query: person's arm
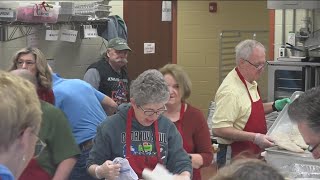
column 277, row 105
column 107, row 103
column 92, row 77
column 203, row 149
column 234, row 134
column 62, row 145
column 178, row 161
column 268, row 107
column 64, row 169
column 262, row 140
column 101, row 151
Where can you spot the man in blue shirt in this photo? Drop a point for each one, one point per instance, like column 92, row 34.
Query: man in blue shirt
column 85, row 109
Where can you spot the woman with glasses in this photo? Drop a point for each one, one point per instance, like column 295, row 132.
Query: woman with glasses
column 20, row 123
column 189, row 120
column 140, row 133
column 34, row 60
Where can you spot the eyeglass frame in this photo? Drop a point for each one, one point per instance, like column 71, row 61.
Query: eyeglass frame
column 157, row 112
column 312, row 148
column 28, row 63
column 258, row 67
column 42, row 146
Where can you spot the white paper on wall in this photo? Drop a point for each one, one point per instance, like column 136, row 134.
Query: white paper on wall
column 52, row 35
column 166, row 11
column 34, row 37
column 149, row 48
column 89, row 31
column 68, row 35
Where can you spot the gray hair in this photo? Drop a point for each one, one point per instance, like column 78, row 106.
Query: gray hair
column 149, row 87
column 248, row 169
column 306, row 109
column 26, row 75
column 245, row 48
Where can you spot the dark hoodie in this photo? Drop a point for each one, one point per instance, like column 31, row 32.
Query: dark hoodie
column 110, row 142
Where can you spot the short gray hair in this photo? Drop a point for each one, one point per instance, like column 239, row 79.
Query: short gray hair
column 149, row 88
column 245, row 48
column 306, row 108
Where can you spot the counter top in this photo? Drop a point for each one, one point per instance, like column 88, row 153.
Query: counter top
column 293, row 63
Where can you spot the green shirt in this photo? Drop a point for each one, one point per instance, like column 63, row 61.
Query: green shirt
column 55, row 131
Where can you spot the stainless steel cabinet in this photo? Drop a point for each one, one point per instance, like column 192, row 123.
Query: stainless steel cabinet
column 301, row 4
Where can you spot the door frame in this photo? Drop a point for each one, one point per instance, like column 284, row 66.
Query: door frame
column 174, row 5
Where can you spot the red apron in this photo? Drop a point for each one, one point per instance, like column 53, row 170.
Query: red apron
column 186, row 146
column 34, row 171
column 138, row 162
column 256, row 123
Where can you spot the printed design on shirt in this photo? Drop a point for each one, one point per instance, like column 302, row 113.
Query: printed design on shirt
column 142, row 143
column 119, row 95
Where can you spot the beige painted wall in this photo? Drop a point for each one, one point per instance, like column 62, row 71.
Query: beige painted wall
column 198, row 40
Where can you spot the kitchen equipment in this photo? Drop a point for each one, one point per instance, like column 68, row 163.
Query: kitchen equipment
column 297, row 51
column 283, row 123
column 287, row 75
column 283, row 159
column 304, row 51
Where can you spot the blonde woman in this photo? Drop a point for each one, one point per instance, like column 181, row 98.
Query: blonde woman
column 189, row 120
column 34, row 60
column 19, row 125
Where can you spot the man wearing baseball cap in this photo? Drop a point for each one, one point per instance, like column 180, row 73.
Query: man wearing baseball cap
column 109, row 75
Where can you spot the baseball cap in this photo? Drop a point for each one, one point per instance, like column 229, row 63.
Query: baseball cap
column 118, row 44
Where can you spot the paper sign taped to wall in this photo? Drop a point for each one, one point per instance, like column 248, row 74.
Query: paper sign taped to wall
column 52, row 35
column 68, row 35
column 149, row 48
column 166, row 11
column 34, row 38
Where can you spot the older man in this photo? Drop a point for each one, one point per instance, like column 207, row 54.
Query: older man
column 305, row 111
column 109, row 75
column 239, row 119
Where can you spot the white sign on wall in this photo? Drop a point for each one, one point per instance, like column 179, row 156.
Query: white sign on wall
column 52, row 35
column 68, row 35
column 166, row 11
column 149, row 48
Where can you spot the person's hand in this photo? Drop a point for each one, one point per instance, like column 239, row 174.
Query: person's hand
column 263, row 141
column 109, row 170
column 280, row 103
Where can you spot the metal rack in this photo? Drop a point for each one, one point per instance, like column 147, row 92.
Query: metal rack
column 228, row 41
column 9, row 30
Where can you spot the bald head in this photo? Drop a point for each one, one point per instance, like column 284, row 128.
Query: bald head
column 25, row 74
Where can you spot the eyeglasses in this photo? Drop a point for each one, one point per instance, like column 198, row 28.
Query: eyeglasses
column 39, row 147
column 28, row 63
column 152, row 112
column 312, row 148
column 258, row 67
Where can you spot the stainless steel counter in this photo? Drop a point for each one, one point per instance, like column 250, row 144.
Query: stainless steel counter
column 293, row 63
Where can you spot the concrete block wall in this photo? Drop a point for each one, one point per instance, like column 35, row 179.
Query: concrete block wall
column 70, row 59
column 198, row 41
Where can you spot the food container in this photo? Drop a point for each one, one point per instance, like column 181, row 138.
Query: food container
column 301, row 171
column 283, row 160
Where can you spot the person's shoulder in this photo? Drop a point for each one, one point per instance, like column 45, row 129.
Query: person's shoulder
column 193, row 109
column 164, row 122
